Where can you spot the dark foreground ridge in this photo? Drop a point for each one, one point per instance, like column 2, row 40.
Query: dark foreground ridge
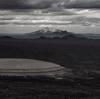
column 42, row 87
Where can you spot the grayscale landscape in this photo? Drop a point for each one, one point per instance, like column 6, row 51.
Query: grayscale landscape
column 49, row 49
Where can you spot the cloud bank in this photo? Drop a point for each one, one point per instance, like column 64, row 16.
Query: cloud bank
column 44, row 4
column 85, row 17
column 28, row 13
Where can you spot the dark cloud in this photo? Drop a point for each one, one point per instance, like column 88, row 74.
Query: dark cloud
column 10, row 4
column 44, row 4
column 39, row 5
column 82, row 4
column 24, row 4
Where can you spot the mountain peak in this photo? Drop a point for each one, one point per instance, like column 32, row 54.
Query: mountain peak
column 49, row 30
column 44, row 30
column 48, row 33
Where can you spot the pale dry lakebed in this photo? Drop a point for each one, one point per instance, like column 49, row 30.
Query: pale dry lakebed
column 25, row 67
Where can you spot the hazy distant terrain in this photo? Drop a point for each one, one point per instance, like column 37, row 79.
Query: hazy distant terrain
column 92, row 36
column 45, row 33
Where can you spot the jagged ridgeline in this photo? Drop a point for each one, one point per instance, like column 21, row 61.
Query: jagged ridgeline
column 55, row 34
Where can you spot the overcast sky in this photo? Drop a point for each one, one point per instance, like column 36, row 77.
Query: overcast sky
column 21, row 16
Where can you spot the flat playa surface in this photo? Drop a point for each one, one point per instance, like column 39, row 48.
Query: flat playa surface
column 28, row 66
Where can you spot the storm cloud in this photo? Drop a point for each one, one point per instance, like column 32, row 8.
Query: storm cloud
column 25, row 4
column 82, row 4
column 44, row 4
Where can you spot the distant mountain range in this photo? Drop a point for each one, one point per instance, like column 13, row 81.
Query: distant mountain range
column 46, row 33
column 92, row 36
column 49, row 34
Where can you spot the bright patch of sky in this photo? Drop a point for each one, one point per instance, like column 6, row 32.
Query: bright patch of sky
column 75, row 20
